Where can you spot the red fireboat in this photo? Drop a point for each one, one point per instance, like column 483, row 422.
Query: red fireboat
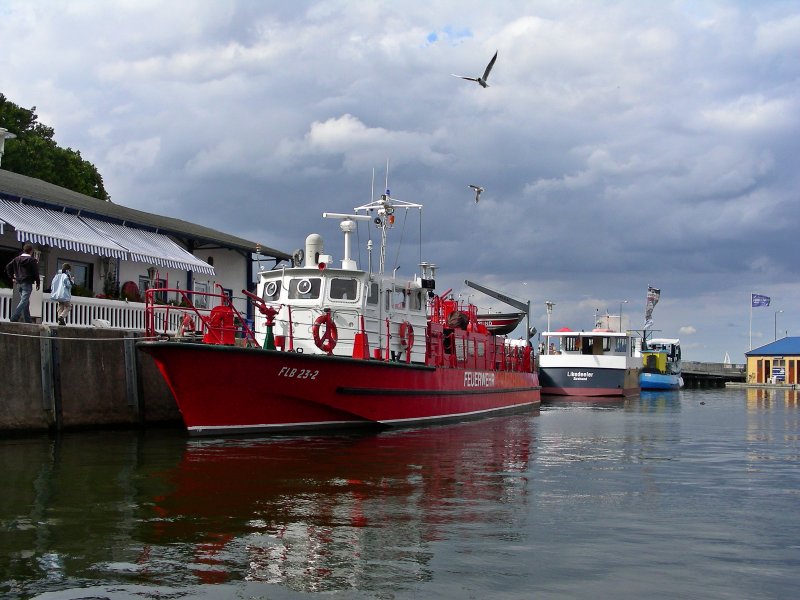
column 337, row 347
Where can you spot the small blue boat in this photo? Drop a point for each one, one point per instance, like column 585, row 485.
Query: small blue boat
column 661, row 365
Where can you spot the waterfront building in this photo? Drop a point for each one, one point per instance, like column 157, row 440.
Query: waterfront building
column 117, row 253
column 777, row 362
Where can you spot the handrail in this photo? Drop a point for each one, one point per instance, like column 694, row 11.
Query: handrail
column 208, row 318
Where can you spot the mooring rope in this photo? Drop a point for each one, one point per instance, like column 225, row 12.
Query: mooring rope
column 87, row 339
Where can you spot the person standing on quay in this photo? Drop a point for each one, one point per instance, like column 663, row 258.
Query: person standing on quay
column 61, row 292
column 24, row 271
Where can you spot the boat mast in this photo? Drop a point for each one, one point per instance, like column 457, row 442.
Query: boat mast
column 385, row 207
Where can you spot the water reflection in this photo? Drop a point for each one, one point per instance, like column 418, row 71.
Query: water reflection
column 759, row 398
column 309, row 513
column 312, row 513
column 596, row 402
column 658, row 401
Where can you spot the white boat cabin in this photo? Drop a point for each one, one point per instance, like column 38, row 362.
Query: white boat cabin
column 599, row 347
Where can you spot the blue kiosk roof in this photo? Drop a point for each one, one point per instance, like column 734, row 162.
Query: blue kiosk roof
column 788, row 346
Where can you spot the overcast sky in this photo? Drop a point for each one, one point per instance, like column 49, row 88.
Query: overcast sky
column 620, row 144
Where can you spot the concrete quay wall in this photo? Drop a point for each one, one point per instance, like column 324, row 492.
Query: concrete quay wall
column 58, row 378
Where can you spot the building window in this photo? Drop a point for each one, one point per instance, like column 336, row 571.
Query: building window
column 81, row 272
column 199, row 299
column 145, row 284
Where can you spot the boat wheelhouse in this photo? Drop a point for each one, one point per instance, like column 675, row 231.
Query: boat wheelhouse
column 661, row 364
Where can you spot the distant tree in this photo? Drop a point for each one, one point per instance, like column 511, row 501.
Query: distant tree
column 34, row 153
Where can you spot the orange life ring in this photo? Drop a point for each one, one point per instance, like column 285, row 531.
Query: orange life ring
column 327, row 340
column 406, row 335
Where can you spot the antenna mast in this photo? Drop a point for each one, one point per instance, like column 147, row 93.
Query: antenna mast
column 385, row 207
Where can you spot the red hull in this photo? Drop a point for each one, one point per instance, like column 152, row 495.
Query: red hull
column 223, row 389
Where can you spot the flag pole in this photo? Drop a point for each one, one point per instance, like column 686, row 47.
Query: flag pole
column 751, row 320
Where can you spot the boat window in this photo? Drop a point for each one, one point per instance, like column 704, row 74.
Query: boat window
column 415, row 300
column 374, row 296
column 572, row 344
column 272, row 289
column 304, row 288
column 343, row 288
column 622, row 346
column 398, row 298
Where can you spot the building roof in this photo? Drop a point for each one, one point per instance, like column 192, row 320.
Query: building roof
column 14, row 186
column 788, row 346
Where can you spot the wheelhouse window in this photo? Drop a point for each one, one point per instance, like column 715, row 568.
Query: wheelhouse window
column 342, row 288
column 374, row 294
column 398, row 298
column 304, row 288
column 601, row 345
column 415, row 299
column 621, row 346
column 272, row 290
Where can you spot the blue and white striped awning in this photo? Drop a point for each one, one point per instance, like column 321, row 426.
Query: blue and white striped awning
column 151, row 247
column 53, row 228
column 83, row 234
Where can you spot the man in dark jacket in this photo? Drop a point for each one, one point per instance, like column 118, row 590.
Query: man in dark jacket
column 24, row 270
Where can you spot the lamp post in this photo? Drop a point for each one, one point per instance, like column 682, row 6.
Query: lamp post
column 549, row 306
column 776, row 324
column 620, row 313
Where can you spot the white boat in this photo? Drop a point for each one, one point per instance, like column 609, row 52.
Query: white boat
column 661, row 365
column 600, row 362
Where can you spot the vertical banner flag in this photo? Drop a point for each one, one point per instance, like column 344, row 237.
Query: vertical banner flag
column 759, row 300
column 653, row 295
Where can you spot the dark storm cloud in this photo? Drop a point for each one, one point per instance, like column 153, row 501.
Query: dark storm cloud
column 620, row 145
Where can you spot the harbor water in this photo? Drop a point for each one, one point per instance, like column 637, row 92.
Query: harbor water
column 690, row 494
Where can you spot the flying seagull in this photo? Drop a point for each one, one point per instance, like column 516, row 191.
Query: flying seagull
column 478, row 189
column 481, row 80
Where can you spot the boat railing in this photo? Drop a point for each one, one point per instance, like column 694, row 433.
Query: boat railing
column 189, row 319
column 442, row 345
column 293, row 328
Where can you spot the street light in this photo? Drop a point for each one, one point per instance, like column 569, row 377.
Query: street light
column 549, row 306
column 776, row 324
column 620, row 313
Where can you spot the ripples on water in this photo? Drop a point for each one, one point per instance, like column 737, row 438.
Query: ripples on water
column 689, row 494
